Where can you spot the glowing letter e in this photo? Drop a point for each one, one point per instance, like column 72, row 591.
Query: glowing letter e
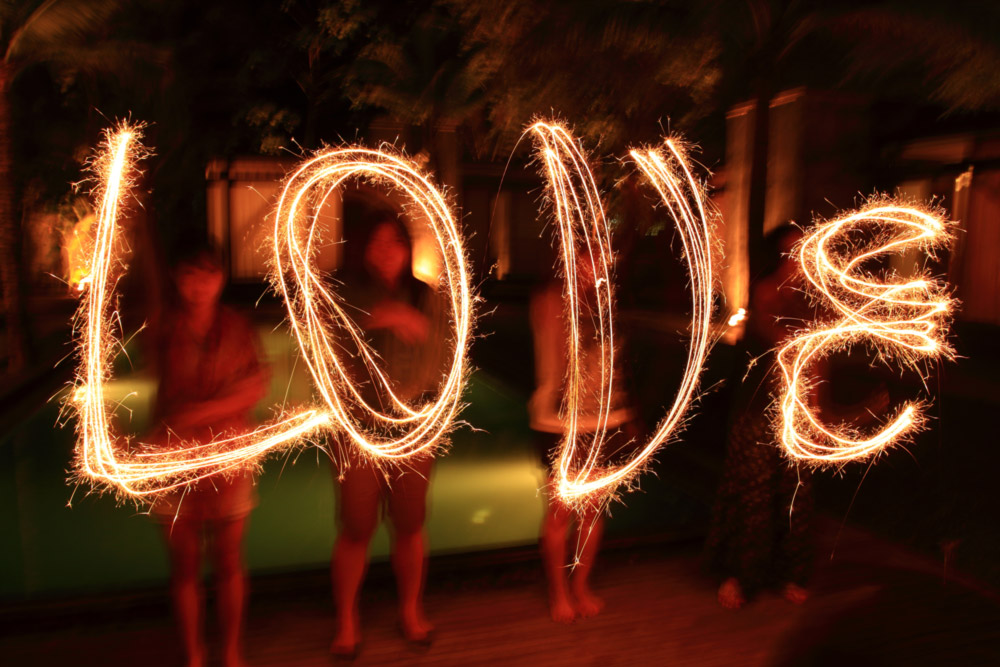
column 905, row 320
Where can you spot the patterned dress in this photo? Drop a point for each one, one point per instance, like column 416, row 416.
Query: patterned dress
column 415, row 370
column 192, row 371
column 550, row 332
column 760, row 531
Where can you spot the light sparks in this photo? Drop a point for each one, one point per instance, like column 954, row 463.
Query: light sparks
column 584, row 476
column 136, row 469
column 133, row 468
column 317, row 315
column 906, row 321
column 737, row 317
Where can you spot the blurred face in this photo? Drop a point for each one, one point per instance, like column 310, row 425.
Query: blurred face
column 387, row 254
column 199, row 284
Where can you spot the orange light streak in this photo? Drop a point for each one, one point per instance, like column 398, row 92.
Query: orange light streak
column 905, row 320
column 582, row 475
column 317, row 314
column 133, row 468
column 137, row 469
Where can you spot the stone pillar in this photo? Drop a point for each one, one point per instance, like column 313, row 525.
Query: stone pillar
column 818, row 146
column 217, row 205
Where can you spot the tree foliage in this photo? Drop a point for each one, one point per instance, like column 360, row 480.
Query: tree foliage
column 615, row 69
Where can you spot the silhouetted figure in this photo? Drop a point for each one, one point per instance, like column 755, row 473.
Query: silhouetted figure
column 403, row 321
column 758, row 537
column 210, row 377
column 570, row 594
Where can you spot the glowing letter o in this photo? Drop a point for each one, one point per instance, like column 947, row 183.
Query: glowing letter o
column 307, row 299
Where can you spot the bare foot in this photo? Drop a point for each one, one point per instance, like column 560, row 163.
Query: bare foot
column 415, row 626
column 731, row 594
column 345, row 644
column 587, row 604
column 561, row 608
column 197, row 659
column 795, row 593
column 234, row 659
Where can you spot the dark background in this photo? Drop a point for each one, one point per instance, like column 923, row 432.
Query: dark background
column 456, row 82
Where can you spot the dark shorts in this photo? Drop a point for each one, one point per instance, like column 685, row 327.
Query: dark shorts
column 216, row 498
column 367, row 492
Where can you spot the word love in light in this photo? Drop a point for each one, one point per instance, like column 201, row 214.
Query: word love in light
column 584, row 474
column 135, row 469
column 905, row 321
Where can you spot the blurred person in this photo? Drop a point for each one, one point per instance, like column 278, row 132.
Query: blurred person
column 404, row 322
column 760, row 534
column 570, row 592
column 210, row 377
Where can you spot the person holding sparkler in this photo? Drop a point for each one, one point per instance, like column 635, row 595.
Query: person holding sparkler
column 570, row 594
column 405, row 325
column 210, row 377
column 758, row 535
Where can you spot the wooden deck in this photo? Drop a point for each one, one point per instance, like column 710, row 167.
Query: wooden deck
column 872, row 604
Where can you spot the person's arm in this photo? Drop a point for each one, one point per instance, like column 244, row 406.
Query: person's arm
column 247, row 385
column 239, row 397
column 403, row 320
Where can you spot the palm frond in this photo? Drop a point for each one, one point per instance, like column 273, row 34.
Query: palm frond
column 58, row 22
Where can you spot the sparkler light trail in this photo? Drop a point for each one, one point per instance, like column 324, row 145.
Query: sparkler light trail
column 133, row 468
column 323, row 328
column 584, row 476
column 905, row 321
column 136, row 469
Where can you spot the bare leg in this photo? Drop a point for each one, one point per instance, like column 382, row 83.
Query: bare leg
column 350, row 563
column 794, row 593
column 184, row 545
column 358, row 514
column 589, row 532
column 555, row 527
column 408, row 562
column 731, row 594
column 230, row 580
column 408, row 510
column 795, row 553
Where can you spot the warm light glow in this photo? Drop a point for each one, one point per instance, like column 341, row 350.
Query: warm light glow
column 76, row 253
column 584, row 476
column 904, row 321
column 737, row 317
column 137, row 469
column 426, row 258
column 134, row 468
column 324, row 329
